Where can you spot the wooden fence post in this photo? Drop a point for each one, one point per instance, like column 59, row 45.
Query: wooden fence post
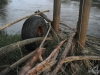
column 56, row 15
column 83, row 23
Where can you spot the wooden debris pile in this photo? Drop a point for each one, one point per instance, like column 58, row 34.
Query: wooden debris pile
column 58, row 60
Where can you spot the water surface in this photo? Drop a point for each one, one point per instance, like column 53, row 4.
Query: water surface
column 11, row 10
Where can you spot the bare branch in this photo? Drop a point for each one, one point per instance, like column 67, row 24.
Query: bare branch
column 13, row 46
column 76, row 58
column 8, row 69
column 46, row 61
column 32, row 61
column 7, row 25
column 65, row 52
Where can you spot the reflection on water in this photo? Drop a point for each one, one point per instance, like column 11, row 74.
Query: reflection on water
column 65, row 1
column 11, row 10
column 96, row 3
column 3, row 3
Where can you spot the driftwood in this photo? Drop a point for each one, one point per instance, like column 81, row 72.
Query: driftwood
column 45, row 65
column 35, row 57
column 44, row 16
column 47, row 71
column 65, row 52
column 31, row 62
column 76, row 58
column 70, row 59
column 46, row 61
column 48, row 66
column 8, row 69
column 13, row 46
column 7, row 25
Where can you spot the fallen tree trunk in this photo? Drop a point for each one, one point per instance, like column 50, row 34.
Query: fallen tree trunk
column 7, row 25
column 13, row 46
column 31, row 62
column 65, row 52
column 46, row 61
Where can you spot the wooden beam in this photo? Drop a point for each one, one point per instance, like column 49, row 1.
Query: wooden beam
column 56, row 15
column 83, row 23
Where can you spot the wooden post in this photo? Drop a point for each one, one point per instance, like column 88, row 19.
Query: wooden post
column 56, row 15
column 83, row 23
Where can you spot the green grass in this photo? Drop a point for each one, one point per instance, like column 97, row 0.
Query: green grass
column 9, row 58
column 6, row 39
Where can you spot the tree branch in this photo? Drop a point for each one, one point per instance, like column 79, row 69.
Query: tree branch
column 76, row 58
column 7, row 25
column 46, row 61
column 11, row 47
column 32, row 61
column 11, row 67
column 65, row 52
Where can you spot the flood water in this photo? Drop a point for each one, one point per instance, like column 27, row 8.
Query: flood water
column 11, row 10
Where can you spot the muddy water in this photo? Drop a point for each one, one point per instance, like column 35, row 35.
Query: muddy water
column 11, row 10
